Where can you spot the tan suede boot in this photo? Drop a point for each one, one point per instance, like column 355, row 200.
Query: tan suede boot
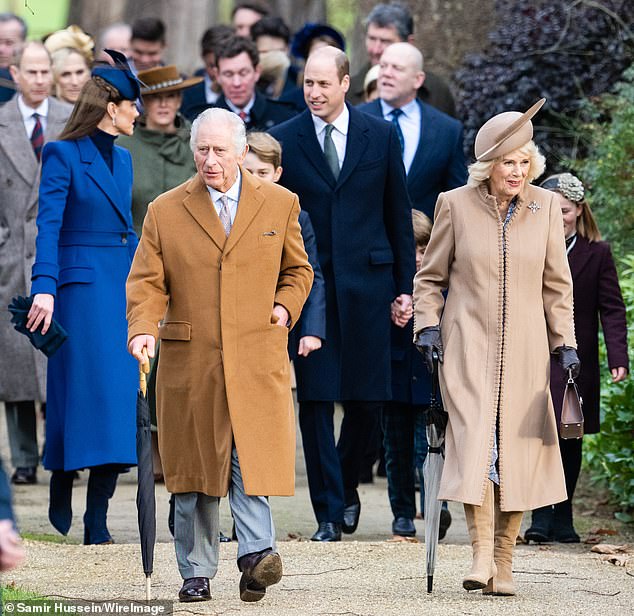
column 480, row 521
column 507, row 527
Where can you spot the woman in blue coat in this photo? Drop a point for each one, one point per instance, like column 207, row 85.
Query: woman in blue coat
column 85, row 246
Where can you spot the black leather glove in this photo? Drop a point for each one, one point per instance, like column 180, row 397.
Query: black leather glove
column 428, row 341
column 569, row 360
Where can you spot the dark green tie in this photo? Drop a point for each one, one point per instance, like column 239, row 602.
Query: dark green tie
column 330, row 151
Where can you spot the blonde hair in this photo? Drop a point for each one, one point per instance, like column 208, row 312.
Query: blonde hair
column 422, row 228
column 265, row 147
column 480, row 171
column 58, row 62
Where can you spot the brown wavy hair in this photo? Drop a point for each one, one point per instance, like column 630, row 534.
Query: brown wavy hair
column 90, row 108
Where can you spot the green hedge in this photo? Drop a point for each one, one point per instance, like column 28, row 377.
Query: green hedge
column 609, row 455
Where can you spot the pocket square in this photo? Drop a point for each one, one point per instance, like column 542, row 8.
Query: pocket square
column 49, row 342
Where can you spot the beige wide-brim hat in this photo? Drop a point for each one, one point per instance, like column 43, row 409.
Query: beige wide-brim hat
column 162, row 79
column 505, row 132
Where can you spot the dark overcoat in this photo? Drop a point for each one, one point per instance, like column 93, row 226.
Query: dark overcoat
column 439, row 163
column 22, row 367
column 85, row 246
column 363, row 227
column 597, row 295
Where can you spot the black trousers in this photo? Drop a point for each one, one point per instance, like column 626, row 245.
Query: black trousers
column 333, row 468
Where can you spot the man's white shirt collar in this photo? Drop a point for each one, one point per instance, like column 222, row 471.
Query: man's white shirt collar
column 247, row 108
column 407, row 110
column 340, row 123
column 27, row 112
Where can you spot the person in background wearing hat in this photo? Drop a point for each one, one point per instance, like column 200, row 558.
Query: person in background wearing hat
column 161, row 159
column 27, row 121
column 597, row 295
column 393, row 23
column 238, row 71
column 160, row 151
column 84, row 249
column 71, row 52
column 497, row 245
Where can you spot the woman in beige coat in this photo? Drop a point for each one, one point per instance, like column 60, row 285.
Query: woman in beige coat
column 498, row 246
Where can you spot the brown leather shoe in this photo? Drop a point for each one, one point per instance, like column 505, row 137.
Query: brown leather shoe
column 194, row 589
column 259, row 570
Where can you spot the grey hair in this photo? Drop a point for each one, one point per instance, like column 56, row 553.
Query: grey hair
column 7, row 17
column 107, row 31
column 480, row 171
column 215, row 114
column 392, row 15
column 18, row 52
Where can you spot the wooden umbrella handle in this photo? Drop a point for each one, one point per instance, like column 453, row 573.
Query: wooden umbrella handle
column 144, row 369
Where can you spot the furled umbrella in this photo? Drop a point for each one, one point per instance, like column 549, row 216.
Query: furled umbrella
column 436, row 421
column 145, row 498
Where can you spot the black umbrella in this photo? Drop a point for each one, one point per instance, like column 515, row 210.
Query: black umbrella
column 432, row 470
column 145, row 499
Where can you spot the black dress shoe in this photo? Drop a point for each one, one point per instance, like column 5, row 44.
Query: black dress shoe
column 223, row 538
column 194, row 589
column 565, row 533
column 24, row 475
column 445, row 523
column 404, row 527
column 351, row 515
column 327, row 531
column 259, row 570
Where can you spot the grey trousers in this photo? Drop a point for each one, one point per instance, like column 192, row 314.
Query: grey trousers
column 22, row 433
column 196, row 526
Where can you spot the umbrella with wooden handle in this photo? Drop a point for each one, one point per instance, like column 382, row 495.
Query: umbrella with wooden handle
column 145, row 498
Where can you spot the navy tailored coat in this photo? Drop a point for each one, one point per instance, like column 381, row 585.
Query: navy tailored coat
column 363, row 227
column 313, row 319
column 84, row 249
column 439, row 164
column 597, row 295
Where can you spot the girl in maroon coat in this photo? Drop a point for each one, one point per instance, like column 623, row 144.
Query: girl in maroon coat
column 597, row 295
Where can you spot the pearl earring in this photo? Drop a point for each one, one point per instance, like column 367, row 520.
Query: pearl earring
column 114, row 120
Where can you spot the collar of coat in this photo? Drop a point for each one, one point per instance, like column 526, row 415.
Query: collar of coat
column 198, row 203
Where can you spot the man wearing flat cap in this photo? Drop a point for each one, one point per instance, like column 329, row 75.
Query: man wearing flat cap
column 221, row 264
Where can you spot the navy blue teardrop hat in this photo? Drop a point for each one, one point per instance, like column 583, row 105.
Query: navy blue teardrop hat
column 119, row 75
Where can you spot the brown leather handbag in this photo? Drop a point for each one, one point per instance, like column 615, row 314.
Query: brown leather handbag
column 571, row 422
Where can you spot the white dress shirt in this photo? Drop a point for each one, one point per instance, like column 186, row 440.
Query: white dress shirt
column 27, row 115
column 409, row 121
column 233, row 196
column 247, row 108
column 339, row 134
column 210, row 96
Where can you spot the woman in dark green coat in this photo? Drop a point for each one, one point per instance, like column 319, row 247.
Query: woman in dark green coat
column 161, row 156
column 161, row 159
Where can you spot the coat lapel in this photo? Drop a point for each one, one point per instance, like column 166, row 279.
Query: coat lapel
column 15, row 142
column 307, row 140
column 579, row 256
column 427, row 143
column 198, row 203
column 249, row 205
column 356, row 144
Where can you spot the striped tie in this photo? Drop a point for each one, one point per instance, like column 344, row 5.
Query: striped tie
column 225, row 217
column 37, row 137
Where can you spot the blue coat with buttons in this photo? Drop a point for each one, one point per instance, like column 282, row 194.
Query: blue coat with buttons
column 84, row 249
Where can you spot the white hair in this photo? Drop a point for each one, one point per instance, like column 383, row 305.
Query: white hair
column 215, row 114
column 480, row 171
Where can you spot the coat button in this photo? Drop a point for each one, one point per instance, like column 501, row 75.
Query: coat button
column 414, row 378
column 124, row 239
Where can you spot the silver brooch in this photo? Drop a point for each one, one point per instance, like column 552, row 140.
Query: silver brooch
column 533, row 207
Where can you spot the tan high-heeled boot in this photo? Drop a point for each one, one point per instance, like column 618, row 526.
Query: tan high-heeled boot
column 480, row 521
column 507, row 527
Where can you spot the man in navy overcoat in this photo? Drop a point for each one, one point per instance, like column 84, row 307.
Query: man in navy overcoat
column 346, row 168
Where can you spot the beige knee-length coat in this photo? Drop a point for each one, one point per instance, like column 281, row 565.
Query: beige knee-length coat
column 223, row 374
column 509, row 304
